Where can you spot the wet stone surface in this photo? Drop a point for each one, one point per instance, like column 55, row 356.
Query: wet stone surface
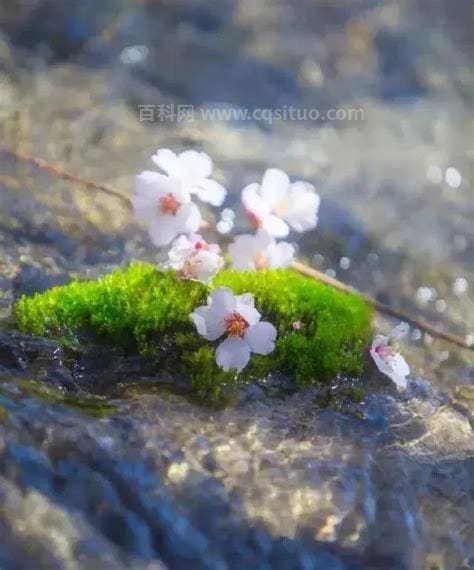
column 382, row 485
column 102, row 464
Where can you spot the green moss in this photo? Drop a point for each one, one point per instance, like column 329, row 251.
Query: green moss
column 146, row 310
column 166, row 390
column 94, row 406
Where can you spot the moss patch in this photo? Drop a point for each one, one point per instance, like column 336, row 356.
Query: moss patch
column 93, row 406
column 146, row 310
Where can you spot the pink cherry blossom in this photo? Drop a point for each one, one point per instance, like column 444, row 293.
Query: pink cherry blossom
column 276, row 205
column 387, row 358
column 260, row 251
column 193, row 258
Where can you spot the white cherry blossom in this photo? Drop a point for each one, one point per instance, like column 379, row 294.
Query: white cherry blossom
column 276, row 205
column 387, row 358
column 193, row 258
column 194, row 169
column 260, row 251
column 236, row 317
column 164, row 206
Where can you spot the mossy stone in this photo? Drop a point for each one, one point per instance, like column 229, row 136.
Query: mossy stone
column 147, row 310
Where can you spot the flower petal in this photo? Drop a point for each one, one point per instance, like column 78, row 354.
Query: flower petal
column 261, row 337
column 210, row 191
column 208, row 323
column 196, row 164
column 263, row 239
column 304, row 205
column 233, row 353
column 242, row 252
column 399, row 365
column 380, row 362
column 180, row 249
column 251, row 252
column 222, row 300
column 394, row 367
column 148, row 183
column 150, row 186
column 198, row 316
column 300, row 187
column 191, row 218
column 163, row 230
column 245, row 306
column 253, row 202
column 178, row 253
column 400, row 381
column 168, row 161
column 275, row 185
column 207, row 264
column 275, row 226
column 281, row 254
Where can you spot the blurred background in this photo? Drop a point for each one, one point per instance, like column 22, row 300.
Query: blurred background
column 97, row 87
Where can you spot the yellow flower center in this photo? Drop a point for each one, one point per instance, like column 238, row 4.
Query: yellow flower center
column 236, row 325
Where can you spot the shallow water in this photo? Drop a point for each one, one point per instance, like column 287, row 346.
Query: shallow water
column 276, row 480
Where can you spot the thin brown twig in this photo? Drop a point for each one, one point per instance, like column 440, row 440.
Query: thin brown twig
column 381, row 307
column 297, row 266
column 64, row 174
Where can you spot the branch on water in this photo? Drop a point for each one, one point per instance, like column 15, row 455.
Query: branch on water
column 64, row 174
column 297, row 266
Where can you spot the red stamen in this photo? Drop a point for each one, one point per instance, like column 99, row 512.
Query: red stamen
column 255, row 221
column 169, row 205
column 201, row 245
